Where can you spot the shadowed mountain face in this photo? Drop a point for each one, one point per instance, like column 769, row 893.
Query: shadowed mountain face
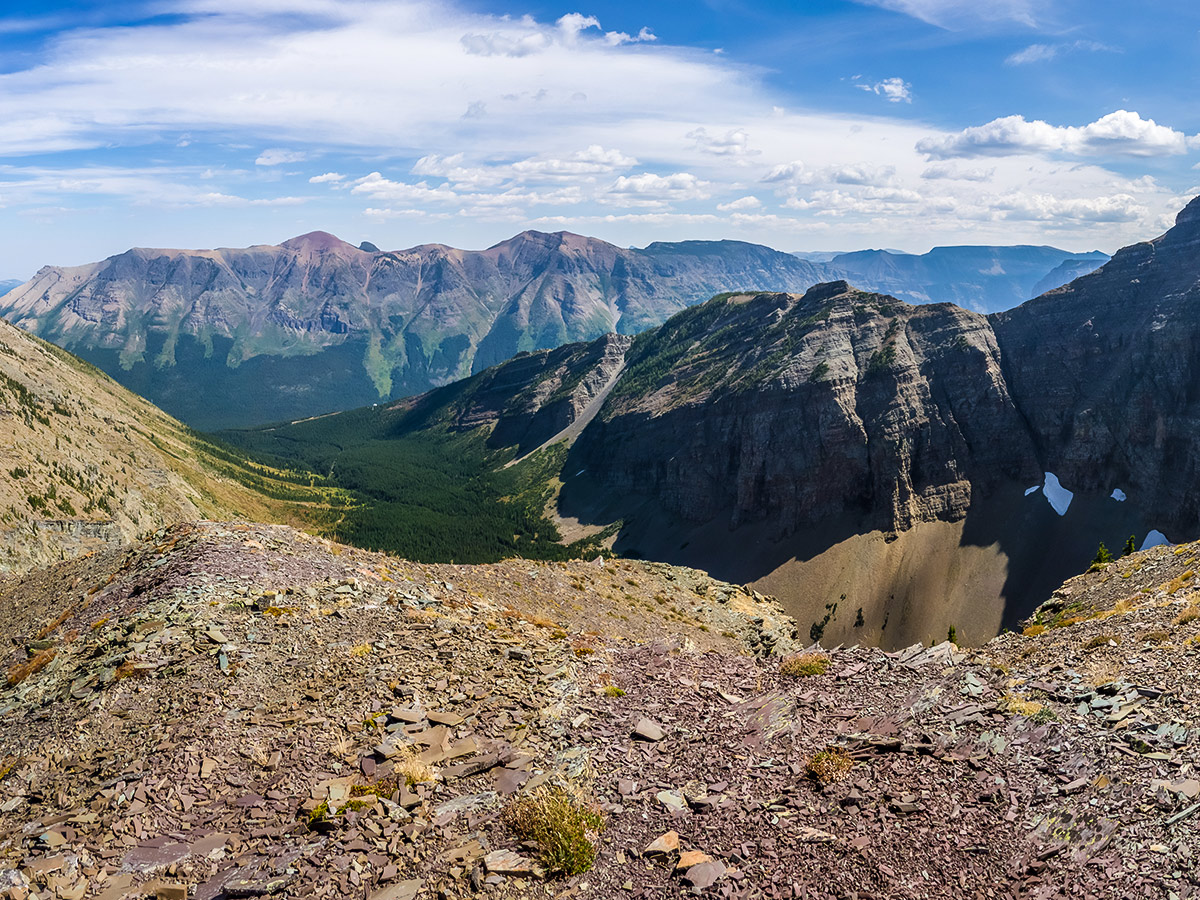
column 236, row 337
column 889, row 471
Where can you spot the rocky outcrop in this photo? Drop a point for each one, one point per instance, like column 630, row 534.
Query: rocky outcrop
column 796, row 410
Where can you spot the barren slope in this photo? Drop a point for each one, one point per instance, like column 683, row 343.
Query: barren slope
column 84, row 464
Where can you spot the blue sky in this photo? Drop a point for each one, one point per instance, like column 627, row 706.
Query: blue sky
column 823, row 125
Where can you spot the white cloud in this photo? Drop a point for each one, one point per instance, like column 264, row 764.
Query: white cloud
column 1036, row 53
column 277, row 157
column 733, row 143
column 956, row 15
column 633, row 138
column 650, row 189
column 747, row 202
column 951, row 172
column 499, row 44
column 1120, row 133
column 594, row 160
column 376, row 187
column 791, row 171
column 896, row 90
column 615, row 38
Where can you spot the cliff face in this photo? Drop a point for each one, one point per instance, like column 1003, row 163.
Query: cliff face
column 843, row 449
column 315, row 324
column 1107, row 373
column 796, row 409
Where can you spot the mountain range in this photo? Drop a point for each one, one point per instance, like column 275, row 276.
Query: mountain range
column 315, row 324
column 983, row 279
column 888, row 470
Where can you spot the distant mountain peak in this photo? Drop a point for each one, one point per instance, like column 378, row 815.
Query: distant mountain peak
column 319, row 242
column 1190, row 214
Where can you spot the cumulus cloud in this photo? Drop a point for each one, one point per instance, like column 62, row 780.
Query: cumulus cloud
column 594, row 160
column 1047, row 207
column 648, row 188
column 500, row 44
column 747, row 202
column 735, row 142
column 896, row 90
column 327, row 178
column 1120, row 133
column 277, row 157
column 951, row 172
column 784, row 172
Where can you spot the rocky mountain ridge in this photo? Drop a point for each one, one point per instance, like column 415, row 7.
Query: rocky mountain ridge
column 268, row 714
column 316, row 324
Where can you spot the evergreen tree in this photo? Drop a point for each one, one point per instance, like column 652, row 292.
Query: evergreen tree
column 1103, row 558
column 1130, row 545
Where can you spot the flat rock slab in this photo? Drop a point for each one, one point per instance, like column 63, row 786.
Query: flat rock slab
column 647, row 730
column 401, row 890
column 664, row 845
column 705, row 874
column 506, row 862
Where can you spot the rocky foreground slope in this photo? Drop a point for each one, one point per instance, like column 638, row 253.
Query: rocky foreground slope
column 234, row 710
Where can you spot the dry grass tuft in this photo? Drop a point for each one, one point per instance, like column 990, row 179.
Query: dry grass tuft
column 802, row 665
column 829, row 766
column 1020, row 706
column 1176, row 584
column 1101, row 640
column 1189, row 613
column 1034, row 630
column 409, row 767
column 564, row 828
column 31, row 666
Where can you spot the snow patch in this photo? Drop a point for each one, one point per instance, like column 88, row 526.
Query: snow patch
column 1036, row 487
column 1060, row 498
column 1154, row 539
column 1118, row 495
